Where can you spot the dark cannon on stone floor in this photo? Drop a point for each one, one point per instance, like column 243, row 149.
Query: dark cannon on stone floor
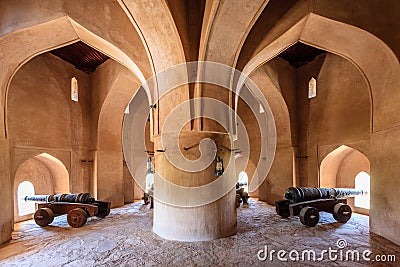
column 307, row 202
column 241, row 195
column 79, row 207
column 148, row 198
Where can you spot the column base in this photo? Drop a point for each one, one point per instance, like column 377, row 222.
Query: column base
column 209, row 222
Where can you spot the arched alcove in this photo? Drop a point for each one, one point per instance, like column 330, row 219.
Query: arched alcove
column 136, row 126
column 341, row 167
column 46, row 174
column 58, row 171
column 355, row 44
column 68, row 31
column 247, row 167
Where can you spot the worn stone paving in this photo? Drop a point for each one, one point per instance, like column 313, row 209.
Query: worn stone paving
column 125, row 238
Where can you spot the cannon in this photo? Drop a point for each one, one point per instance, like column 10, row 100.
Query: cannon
column 148, row 198
column 241, row 195
column 78, row 208
column 307, row 202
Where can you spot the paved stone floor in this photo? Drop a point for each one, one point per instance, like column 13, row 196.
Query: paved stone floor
column 125, row 238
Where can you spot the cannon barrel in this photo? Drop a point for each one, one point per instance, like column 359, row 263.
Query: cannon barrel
column 72, row 198
column 238, row 184
column 300, row 194
column 37, row 198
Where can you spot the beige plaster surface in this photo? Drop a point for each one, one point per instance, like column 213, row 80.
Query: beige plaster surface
column 282, row 76
column 309, row 30
column 385, row 184
column 125, row 238
column 145, row 37
column 59, row 165
column 129, row 185
column 6, row 221
column 242, row 16
column 280, row 176
column 134, row 128
column 164, row 45
column 214, row 33
column 339, row 169
column 279, row 109
column 340, row 112
column 40, row 91
column 330, row 166
column 211, row 220
column 45, row 97
column 352, row 165
column 254, row 134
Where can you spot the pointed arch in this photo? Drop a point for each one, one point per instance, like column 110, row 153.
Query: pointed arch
column 58, row 171
column 47, row 175
column 353, row 44
column 109, row 139
column 330, row 175
column 164, row 46
column 64, row 31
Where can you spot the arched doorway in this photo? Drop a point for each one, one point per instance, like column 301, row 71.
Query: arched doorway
column 42, row 174
column 243, row 179
column 347, row 167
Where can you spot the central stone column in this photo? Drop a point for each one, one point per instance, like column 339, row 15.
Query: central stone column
column 175, row 215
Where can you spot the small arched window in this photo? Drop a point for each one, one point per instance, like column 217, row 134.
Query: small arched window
column 312, row 88
column 362, row 181
column 74, row 89
column 25, row 189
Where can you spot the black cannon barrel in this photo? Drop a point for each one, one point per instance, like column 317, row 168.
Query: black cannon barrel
column 37, row 198
column 73, row 198
column 300, row 194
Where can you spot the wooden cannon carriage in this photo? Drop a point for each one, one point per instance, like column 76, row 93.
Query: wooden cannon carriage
column 307, row 202
column 78, row 208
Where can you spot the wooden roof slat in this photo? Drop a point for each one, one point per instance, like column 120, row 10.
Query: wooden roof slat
column 82, row 56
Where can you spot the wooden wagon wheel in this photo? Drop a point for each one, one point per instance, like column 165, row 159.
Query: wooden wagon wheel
column 77, row 217
column 43, row 216
column 342, row 212
column 309, row 216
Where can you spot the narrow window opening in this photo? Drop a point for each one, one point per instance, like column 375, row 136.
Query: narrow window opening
column 261, row 109
column 312, row 88
column 362, row 181
column 74, row 89
column 244, row 179
column 25, row 189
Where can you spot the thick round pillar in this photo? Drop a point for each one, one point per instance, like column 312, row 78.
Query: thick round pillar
column 214, row 219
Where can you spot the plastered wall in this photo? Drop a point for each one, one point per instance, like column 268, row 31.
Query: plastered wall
column 340, row 114
column 40, row 92
column 106, row 131
column 341, row 111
